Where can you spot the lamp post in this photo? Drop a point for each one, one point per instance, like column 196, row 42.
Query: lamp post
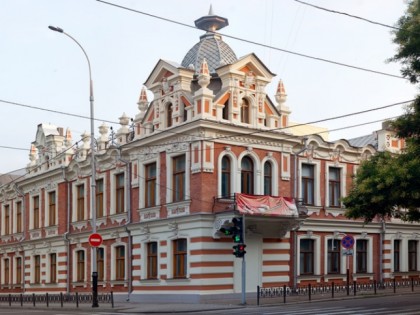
column 93, row 170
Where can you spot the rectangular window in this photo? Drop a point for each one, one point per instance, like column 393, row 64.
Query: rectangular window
column 119, row 193
column 36, row 212
column 307, row 257
column 37, row 269
column 18, row 270
column 119, row 263
column 152, row 260
column 51, row 209
column 6, row 219
column 180, row 258
column 397, row 244
column 178, row 178
column 412, row 255
column 334, row 186
column 150, row 183
column 361, row 256
column 80, row 270
column 80, row 202
column 100, row 198
column 53, row 268
column 6, row 271
column 308, row 184
column 100, row 263
column 19, row 217
column 334, row 255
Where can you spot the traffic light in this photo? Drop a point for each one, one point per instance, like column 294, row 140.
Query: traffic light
column 239, row 250
column 237, row 230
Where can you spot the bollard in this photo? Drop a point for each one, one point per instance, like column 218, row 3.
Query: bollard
column 412, row 284
column 46, row 298
column 21, row 299
column 258, row 295
column 112, row 299
column 284, row 293
column 10, row 300
column 354, row 288
column 77, row 300
column 374, row 286
column 33, row 298
column 61, row 298
column 332, row 289
column 395, row 288
column 309, row 291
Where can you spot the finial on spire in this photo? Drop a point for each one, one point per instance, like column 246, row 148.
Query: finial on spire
column 211, row 10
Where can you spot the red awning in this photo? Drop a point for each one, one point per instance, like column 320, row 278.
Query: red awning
column 265, row 205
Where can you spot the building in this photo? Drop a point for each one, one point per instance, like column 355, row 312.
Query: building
column 210, row 146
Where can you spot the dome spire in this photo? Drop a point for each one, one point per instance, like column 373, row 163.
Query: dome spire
column 211, row 22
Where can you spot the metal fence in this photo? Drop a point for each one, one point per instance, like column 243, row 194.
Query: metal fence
column 59, row 298
column 332, row 289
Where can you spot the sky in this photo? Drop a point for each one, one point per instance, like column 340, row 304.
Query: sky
column 48, row 73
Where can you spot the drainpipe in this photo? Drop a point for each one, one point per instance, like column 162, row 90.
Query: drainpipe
column 129, row 245
column 381, row 240
column 295, row 197
column 22, row 195
column 66, row 234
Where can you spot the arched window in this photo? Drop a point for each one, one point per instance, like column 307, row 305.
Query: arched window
column 169, row 115
column 225, row 112
column 247, row 176
column 245, row 111
column 268, row 174
column 226, row 173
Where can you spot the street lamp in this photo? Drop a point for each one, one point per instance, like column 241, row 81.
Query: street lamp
column 93, row 170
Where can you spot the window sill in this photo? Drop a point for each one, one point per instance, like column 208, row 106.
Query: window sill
column 151, row 281
column 178, row 279
column 405, row 274
column 335, row 211
column 363, row 275
column 335, row 276
column 312, row 209
column 316, row 278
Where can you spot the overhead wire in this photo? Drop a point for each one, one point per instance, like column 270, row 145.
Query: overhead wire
column 257, row 43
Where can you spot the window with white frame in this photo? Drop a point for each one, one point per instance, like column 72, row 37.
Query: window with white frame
column 18, row 270
column 308, row 184
column 180, row 258
column 178, row 178
column 119, row 260
column 53, row 267
column 397, row 255
column 412, row 255
column 36, row 269
column 119, row 193
column 334, row 256
column 226, row 176
column 36, row 224
column 307, row 254
column 80, row 206
column 334, row 186
column 152, row 260
column 80, row 265
column 99, row 197
column 268, row 178
column 150, row 185
column 6, row 271
column 6, row 220
column 361, row 256
column 18, row 217
column 247, row 175
column 245, row 111
column 52, row 208
column 100, row 263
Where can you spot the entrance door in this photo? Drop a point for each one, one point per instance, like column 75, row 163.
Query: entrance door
column 253, row 259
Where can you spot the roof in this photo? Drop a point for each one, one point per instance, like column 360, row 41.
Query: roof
column 364, row 141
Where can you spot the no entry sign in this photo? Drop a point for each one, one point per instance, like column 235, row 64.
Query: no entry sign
column 347, row 241
column 95, row 240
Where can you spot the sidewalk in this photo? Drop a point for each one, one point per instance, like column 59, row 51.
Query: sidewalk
column 168, row 308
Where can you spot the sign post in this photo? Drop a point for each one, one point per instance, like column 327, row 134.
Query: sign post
column 348, row 242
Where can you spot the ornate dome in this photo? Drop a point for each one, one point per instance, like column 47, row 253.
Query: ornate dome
column 211, row 46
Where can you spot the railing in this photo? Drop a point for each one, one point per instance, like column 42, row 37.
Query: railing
column 332, row 289
column 59, row 298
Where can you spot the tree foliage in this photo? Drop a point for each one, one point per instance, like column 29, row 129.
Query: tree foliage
column 388, row 185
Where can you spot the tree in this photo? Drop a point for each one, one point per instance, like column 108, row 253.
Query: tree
column 388, row 185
